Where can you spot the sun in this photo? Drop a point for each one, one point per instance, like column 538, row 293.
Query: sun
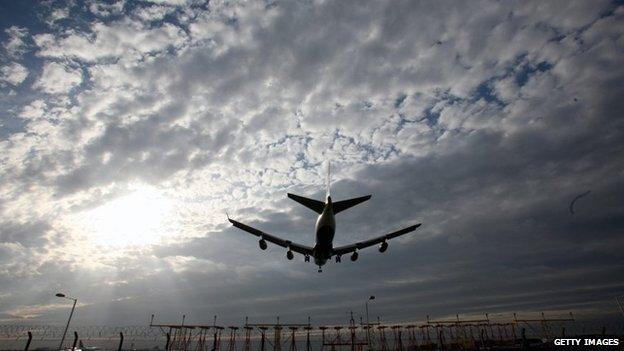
column 135, row 219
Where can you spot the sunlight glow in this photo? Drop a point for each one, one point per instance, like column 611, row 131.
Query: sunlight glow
column 136, row 219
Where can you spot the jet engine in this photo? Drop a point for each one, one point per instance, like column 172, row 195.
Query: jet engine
column 262, row 244
column 354, row 256
column 289, row 255
column 383, row 247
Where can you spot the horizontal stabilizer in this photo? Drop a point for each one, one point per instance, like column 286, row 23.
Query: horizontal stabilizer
column 314, row 205
column 345, row 204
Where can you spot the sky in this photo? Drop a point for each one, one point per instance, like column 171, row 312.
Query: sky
column 129, row 128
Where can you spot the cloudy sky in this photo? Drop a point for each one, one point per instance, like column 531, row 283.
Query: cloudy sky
column 129, row 128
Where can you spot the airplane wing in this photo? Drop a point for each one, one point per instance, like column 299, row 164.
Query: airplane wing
column 367, row 243
column 302, row 249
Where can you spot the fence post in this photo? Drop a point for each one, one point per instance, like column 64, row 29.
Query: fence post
column 120, row 341
column 75, row 340
column 28, row 342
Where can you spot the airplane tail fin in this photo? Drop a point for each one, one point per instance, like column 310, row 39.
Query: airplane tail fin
column 346, row 204
column 319, row 206
column 328, row 178
column 314, row 205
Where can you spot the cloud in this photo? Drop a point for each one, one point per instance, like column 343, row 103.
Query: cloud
column 126, row 39
column 14, row 73
column 153, row 13
column 58, row 14
column 106, row 9
column 170, row 2
column 57, row 78
column 26, row 234
column 15, row 45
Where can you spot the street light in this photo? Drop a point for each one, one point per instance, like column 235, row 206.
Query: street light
column 372, row 297
column 70, row 316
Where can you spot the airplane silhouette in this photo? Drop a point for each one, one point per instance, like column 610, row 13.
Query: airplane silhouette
column 323, row 250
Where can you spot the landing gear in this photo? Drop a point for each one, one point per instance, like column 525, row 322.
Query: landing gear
column 320, row 270
column 338, row 258
column 306, row 258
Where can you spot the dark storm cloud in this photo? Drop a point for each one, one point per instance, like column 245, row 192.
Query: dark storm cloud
column 481, row 120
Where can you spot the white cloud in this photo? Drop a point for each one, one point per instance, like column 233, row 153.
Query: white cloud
column 57, row 78
column 125, row 39
column 15, row 45
column 13, row 73
column 169, row 2
column 152, row 13
column 105, row 10
column 58, row 14
column 34, row 110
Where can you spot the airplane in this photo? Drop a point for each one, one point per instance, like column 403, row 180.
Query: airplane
column 323, row 250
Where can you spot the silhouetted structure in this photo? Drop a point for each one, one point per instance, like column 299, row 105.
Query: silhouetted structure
column 447, row 334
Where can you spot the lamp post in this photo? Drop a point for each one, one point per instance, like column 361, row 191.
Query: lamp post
column 372, row 297
column 70, row 316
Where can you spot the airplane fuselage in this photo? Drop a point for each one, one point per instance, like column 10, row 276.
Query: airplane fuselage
column 325, row 230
